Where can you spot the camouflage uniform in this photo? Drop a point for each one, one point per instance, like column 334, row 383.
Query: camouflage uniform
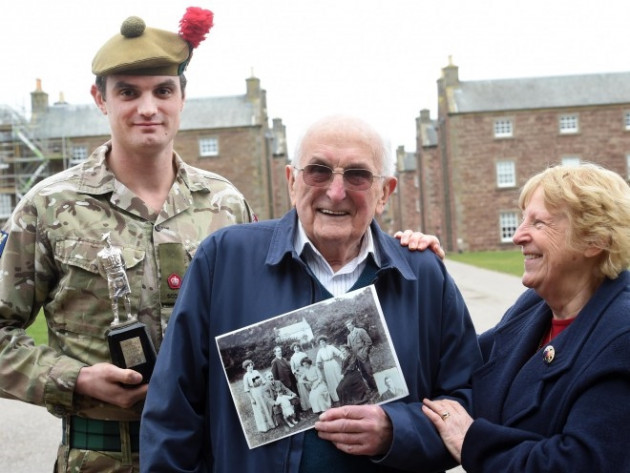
column 50, row 262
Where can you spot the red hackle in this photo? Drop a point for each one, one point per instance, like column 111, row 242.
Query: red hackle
column 195, row 25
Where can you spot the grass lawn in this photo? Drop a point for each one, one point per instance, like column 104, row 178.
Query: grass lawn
column 510, row 262
column 39, row 330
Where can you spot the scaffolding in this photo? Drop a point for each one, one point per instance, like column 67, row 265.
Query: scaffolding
column 23, row 161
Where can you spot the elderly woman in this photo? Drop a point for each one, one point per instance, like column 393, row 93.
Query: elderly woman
column 553, row 393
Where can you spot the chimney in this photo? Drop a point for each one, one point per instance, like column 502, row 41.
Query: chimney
column 253, row 88
column 62, row 100
column 450, row 74
column 39, row 100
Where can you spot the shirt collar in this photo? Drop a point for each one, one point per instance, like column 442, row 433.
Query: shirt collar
column 301, row 242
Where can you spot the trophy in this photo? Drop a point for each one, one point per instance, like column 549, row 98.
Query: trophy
column 129, row 342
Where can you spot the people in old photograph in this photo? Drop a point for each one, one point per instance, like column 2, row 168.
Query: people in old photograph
column 281, row 369
column 296, row 369
column 391, row 390
column 328, row 362
column 319, row 396
column 352, row 389
column 283, row 401
column 360, row 343
column 260, row 397
column 280, row 411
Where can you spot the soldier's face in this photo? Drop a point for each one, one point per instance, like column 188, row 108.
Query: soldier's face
column 143, row 111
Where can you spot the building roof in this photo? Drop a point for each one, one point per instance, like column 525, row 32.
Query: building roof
column 540, row 92
column 199, row 113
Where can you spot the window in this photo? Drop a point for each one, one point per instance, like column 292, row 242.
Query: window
column 627, row 120
column 571, row 161
column 208, row 147
column 628, row 166
column 5, row 205
column 506, row 174
column 79, row 154
column 503, row 128
column 508, row 221
column 568, row 124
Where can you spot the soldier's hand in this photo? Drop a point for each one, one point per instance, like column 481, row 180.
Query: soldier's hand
column 357, row 430
column 111, row 384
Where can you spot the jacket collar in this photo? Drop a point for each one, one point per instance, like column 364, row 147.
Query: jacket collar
column 97, row 178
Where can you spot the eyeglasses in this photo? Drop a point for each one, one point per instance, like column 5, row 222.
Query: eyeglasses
column 318, row 175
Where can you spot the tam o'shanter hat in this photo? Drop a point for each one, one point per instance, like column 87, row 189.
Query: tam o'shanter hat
column 139, row 50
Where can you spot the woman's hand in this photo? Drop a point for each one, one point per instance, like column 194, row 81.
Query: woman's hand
column 419, row 241
column 451, row 421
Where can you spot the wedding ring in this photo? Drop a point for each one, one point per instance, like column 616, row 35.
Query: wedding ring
column 444, row 415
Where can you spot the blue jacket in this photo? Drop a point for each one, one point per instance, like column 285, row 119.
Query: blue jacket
column 244, row 274
column 571, row 414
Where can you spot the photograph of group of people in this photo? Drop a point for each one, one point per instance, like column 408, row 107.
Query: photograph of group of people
column 296, row 365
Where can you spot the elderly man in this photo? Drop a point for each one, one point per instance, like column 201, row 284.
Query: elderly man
column 155, row 208
column 327, row 245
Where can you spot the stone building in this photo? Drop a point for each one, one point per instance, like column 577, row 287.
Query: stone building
column 490, row 136
column 227, row 135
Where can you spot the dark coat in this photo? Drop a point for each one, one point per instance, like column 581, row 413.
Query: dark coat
column 570, row 414
column 244, row 274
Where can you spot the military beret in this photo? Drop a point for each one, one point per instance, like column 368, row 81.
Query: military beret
column 140, row 50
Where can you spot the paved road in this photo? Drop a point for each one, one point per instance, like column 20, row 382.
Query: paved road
column 29, row 435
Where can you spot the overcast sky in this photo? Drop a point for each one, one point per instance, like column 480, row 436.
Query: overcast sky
column 378, row 59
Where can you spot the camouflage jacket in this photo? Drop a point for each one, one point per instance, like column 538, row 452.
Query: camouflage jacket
column 50, row 262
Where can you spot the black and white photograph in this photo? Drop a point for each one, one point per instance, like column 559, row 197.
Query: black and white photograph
column 285, row 371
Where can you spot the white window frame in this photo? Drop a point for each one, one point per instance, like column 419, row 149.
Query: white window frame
column 626, row 120
column 508, row 223
column 79, row 154
column 208, row 147
column 568, row 123
column 6, row 205
column 628, row 167
column 506, row 173
column 571, row 160
column 503, row 128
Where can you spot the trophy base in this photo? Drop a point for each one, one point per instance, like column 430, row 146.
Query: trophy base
column 130, row 347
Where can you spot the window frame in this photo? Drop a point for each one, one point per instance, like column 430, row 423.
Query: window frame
column 565, row 127
column 6, row 205
column 506, row 226
column 208, row 147
column 503, row 183
column 500, row 124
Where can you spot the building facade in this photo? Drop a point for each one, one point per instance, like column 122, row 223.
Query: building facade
column 491, row 136
column 228, row 135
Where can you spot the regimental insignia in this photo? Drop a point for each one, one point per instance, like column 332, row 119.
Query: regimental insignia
column 174, row 281
column 3, row 240
column 549, row 353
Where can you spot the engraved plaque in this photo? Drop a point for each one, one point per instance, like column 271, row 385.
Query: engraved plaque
column 129, row 343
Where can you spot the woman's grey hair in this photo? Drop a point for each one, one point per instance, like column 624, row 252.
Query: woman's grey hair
column 343, row 126
column 596, row 202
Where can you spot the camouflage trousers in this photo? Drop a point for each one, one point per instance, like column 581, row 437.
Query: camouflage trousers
column 72, row 460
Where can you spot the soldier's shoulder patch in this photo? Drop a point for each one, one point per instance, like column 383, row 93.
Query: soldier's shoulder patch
column 3, row 239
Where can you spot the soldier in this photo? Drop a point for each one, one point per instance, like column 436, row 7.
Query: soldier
column 360, row 343
column 155, row 208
